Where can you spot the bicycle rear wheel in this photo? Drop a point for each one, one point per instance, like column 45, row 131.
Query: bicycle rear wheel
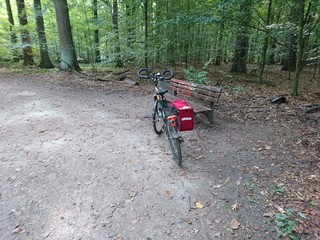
column 157, row 119
column 174, row 141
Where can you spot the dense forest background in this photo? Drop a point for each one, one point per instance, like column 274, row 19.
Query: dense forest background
column 192, row 34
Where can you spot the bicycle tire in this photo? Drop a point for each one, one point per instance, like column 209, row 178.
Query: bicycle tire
column 157, row 119
column 174, row 145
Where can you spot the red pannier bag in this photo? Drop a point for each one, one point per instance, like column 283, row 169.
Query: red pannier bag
column 186, row 116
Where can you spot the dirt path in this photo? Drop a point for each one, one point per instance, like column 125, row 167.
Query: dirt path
column 82, row 162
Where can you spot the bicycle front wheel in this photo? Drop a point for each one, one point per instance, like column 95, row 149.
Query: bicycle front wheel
column 157, row 119
column 174, row 141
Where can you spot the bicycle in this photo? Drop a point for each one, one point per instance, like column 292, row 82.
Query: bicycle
column 164, row 115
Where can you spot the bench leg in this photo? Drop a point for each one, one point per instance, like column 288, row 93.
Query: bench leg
column 210, row 116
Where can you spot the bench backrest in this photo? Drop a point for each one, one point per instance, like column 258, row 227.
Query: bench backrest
column 194, row 91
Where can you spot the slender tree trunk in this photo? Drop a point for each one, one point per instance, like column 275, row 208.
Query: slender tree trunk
column 131, row 34
column 158, row 57
column 290, row 59
column 97, row 54
column 25, row 36
column 96, row 32
column 239, row 64
column 115, row 22
column 300, row 45
column 68, row 54
column 187, row 37
column 45, row 61
column 265, row 44
column 272, row 57
column 13, row 36
column 146, row 32
column 171, row 47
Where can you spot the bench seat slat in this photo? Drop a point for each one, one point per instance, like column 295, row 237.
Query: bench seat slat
column 176, row 90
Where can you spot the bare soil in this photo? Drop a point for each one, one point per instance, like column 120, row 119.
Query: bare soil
column 79, row 160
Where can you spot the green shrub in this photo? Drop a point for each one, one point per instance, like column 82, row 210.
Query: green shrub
column 196, row 77
column 287, row 225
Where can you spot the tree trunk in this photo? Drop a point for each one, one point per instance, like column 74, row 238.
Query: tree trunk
column 45, row 61
column 187, row 46
column 96, row 32
column 25, row 36
column 300, row 45
column 131, row 32
column 289, row 61
column 68, row 54
column 146, row 32
column 115, row 23
column 265, row 44
column 239, row 64
column 13, row 36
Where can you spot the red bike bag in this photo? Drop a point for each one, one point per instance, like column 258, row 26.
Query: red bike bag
column 186, row 116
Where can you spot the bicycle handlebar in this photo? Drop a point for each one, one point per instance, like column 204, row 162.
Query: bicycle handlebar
column 148, row 74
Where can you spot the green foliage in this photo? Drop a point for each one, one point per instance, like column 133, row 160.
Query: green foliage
column 249, row 186
column 287, row 224
column 196, row 77
column 279, row 189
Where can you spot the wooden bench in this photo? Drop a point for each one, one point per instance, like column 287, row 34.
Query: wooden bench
column 201, row 98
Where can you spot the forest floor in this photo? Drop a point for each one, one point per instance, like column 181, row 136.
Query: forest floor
column 79, row 160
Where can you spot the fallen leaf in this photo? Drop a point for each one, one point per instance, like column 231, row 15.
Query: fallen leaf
column 196, row 231
column 280, row 209
column 137, row 220
column 234, row 224
column 19, row 229
column 217, row 234
column 199, row 205
column 199, row 157
column 235, row 206
column 268, row 214
column 168, row 193
column 302, row 215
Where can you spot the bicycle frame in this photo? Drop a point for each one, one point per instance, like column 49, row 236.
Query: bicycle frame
column 170, row 119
